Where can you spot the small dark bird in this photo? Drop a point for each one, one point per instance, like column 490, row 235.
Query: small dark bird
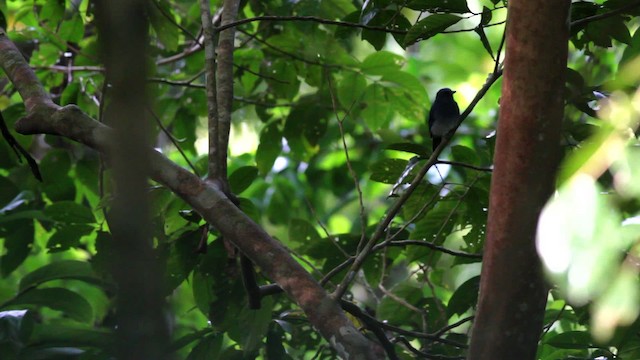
column 443, row 115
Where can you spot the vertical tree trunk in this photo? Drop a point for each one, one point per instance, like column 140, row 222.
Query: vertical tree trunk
column 142, row 331
column 512, row 289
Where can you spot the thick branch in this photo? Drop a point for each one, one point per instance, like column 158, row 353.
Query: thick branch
column 214, row 206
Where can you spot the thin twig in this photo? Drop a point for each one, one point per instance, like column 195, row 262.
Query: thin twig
column 430, row 245
column 352, row 172
column 173, row 140
column 175, row 23
column 395, row 208
column 609, row 14
column 456, row 163
column 311, row 19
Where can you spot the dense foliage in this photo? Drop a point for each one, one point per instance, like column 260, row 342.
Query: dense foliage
column 330, row 98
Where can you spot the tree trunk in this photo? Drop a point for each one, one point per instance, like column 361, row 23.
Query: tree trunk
column 512, row 290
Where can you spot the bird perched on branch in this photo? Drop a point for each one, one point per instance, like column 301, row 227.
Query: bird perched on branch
column 443, row 116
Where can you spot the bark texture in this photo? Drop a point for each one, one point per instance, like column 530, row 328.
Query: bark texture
column 324, row 313
column 512, row 289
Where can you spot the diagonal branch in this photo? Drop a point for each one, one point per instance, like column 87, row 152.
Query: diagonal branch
column 43, row 116
column 395, row 208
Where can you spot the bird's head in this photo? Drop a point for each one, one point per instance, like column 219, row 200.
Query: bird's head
column 445, row 93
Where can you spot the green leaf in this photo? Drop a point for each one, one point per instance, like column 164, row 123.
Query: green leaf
column 207, row 348
column 601, row 32
column 251, row 337
column 409, row 148
column 486, row 16
column 63, row 333
column 448, row 6
column 302, row 231
column 351, row 89
column 464, row 154
column 167, row 32
column 188, row 339
column 55, row 168
column 283, row 78
column 387, row 171
column 381, row 63
column 52, row 11
column 64, row 269
column 269, row 148
column 69, row 302
column 633, row 50
column 242, row 178
column 70, row 213
column 376, row 113
column 18, row 239
column 485, row 41
column 407, row 94
column 72, row 30
column 68, row 236
column 571, row 340
column 429, row 27
column 464, row 298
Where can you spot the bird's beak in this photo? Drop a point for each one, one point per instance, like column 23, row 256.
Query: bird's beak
column 453, row 91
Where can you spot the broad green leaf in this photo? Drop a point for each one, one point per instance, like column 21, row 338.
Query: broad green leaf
column 632, row 51
column 407, row 94
column 180, row 259
column 251, row 337
column 601, row 32
column 162, row 20
column 69, row 302
column 387, row 171
column 376, row 112
column 464, row 154
column 242, row 178
column 18, row 241
column 208, row 347
column 64, row 269
column 54, row 169
column 269, row 148
column 71, row 334
column 68, row 236
column 464, row 298
column 282, row 78
column 409, row 148
column 351, row 89
column 571, row 340
column 188, row 339
column 70, row 213
column 52, row 11
column 618, row 306
column 429, row 26
column 569, row 239
column 486, row 16
column 72, row 30
column 381, row 63
column 302, row 231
